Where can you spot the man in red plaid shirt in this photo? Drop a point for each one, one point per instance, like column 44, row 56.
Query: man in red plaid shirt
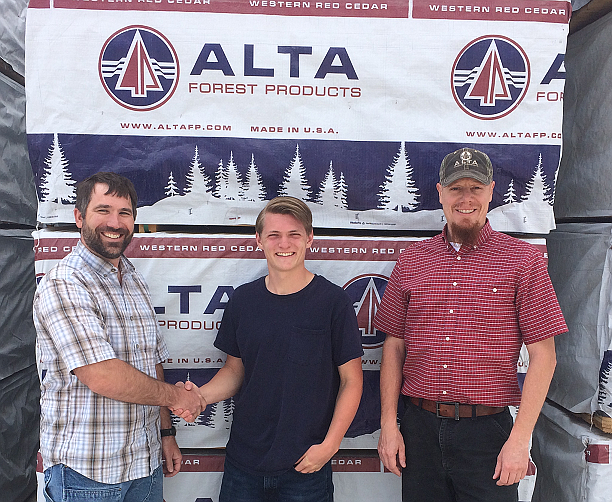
column 456, row 311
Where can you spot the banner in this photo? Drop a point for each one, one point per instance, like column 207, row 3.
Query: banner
column 192, row 277
column 212, row 107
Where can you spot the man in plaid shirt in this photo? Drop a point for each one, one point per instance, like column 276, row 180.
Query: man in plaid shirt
column 456, row 311
column 100, row 355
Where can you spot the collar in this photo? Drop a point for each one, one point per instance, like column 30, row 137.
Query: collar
column 99, row 265
column 483, row 236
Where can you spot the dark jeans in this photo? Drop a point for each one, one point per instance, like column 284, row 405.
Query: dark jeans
column 63, row 484
column 291, row 486
column 451, row 460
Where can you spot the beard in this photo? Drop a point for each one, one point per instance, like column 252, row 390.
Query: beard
column 110, row 250
column 465, row 235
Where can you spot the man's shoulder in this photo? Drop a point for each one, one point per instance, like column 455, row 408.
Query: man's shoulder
column 423, row 247
column 69, row 266
column 513, row 244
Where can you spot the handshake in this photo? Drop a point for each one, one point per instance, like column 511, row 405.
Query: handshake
column 189, row 402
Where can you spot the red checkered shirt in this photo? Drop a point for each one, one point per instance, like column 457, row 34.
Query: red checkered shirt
column 465, row 314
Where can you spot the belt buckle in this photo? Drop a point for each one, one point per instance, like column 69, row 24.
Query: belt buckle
column 456, row 405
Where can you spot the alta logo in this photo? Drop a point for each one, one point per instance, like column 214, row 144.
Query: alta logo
column 366, row 292
column 490, row 77
column 139, row 68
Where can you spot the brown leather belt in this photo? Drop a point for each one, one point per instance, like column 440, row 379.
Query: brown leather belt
column 455, row 410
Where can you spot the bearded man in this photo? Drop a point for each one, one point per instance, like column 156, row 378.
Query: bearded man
column 456, row 311
column 105, row 421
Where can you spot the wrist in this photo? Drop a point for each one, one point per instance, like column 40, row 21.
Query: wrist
column 169, row 432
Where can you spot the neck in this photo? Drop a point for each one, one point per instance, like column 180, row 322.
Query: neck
column 286, row 283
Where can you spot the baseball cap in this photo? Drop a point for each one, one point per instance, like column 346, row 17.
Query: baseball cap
column 466, row 163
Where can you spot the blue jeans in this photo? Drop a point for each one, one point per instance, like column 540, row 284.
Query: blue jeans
column 63, row 484
column 451, row 460
column 291, row 486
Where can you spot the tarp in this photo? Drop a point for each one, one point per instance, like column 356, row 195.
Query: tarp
column 12, row 34
column 17, row 285
column 584, row 184
column 211, row 107
column 580, row 265
column 17, row 191
column 19, row 420
column 573, row 459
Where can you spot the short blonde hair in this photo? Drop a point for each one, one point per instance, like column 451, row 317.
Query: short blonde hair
column 286, row 205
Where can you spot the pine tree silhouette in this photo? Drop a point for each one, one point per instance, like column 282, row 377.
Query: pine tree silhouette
column 253, row 188
column 234, row 186
column 340, row 192
column 327, row 189
column 537, row 190
column 510, row 195
column 399, row 191
column 294, row 182
column 221, row 189
column 57, row 184
column 196, row 181
column 171, row 189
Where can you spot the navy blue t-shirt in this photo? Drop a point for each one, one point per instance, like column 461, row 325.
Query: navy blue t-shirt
column 291, row 347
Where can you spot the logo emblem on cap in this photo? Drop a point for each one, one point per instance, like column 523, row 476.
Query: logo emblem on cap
column 490, row 77
column 138, row 68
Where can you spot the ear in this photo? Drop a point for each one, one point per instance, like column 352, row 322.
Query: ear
column 78, row 218
column 491, row 194
column 258, row 240
column 310, row 239
column 439, row 187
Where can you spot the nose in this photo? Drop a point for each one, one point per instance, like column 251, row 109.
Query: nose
column 112, row 220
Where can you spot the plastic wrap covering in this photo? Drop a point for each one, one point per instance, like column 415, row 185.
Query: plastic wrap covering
column 17, row 190
column 19, row 419
column 17, row 285
column 12, row 34
column 584, row 182
column 573, row 460
column 579, row 265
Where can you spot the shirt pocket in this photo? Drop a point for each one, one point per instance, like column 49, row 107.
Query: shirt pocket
column 306, row 346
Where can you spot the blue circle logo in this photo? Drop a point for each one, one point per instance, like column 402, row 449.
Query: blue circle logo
column 490, row 77
column 139, row 68
column 366, row 291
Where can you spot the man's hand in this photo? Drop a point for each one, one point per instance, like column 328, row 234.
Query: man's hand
column 189, row 414
column 512, row 463
column 315, row 457
column 392, row 450
column 172, row 456
column 190, row 403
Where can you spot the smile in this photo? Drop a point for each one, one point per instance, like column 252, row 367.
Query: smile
column 285, row 254
column 466, row 211
column 111, row 236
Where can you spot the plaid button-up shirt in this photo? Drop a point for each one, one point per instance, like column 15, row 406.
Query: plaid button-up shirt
column 465, row 314
column 83, row 315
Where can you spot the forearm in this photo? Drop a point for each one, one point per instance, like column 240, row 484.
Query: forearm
column 542, row 362
column 391, row 380
column 347, row 403
column 164, row 412
column 226, row 382
column 118, row 380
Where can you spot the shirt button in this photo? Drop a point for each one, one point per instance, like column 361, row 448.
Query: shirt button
column 448, row 338
column 451, row 311
column 131, row 318
column 494, row 290
column 444, row 392
column 458, row 257
column 454, row 283
column 445, row 366
column 137, row 345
